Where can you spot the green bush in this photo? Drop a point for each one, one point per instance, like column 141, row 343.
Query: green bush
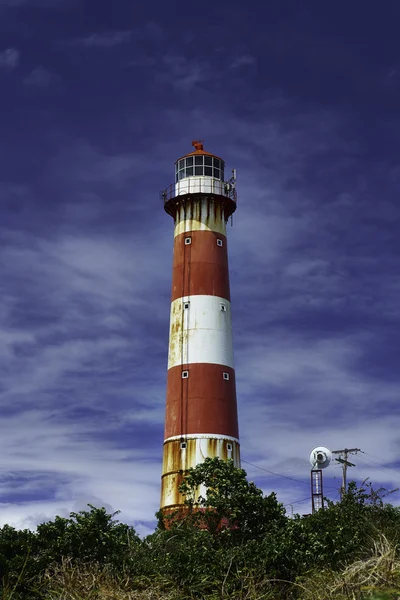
column 234, row 543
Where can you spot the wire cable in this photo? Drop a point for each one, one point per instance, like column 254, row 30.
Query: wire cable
column 273, row 473
column 308, row 498
column 381, row 463
column 279, row 474
column 366, row 462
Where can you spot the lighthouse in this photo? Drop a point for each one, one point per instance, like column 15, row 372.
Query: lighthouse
column 201, row 409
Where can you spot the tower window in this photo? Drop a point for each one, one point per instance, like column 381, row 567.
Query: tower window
column 185, row 374
column 223, row 307
column 186, row 305
column 219, row 243
column 229, row 447
column 188, row 241
column 183, row 445
column 225, row 376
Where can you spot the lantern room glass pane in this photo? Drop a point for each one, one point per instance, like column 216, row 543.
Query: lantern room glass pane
column 198, row 171
column 181, row 164
column 208, row 171
column 189, row 171
column 181, row 174
column 189, row 161
column 217, row 173
column 217, row 163
column 208, row 161
column 198, row 160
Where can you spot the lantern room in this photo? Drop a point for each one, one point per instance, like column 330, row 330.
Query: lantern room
column 199, row 172
column 203, row 173
column 199, row 164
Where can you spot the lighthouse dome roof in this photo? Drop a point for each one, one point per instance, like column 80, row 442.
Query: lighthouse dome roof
column 198, row 151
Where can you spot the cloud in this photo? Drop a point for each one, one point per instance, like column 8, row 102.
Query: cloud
column 87, row 256
column 107, row 39
column 39, row 77
column 63, row 342
column 243, row 60
column 185, row 74
column 9, row 59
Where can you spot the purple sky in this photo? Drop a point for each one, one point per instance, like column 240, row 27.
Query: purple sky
column 97, row 101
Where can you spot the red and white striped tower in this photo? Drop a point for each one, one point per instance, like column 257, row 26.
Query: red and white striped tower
column 201, row 413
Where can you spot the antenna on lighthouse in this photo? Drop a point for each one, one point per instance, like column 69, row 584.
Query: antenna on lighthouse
column 320, row 458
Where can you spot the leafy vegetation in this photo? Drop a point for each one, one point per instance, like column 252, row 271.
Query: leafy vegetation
column 231, row 542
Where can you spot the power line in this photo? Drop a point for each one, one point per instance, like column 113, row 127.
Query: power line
column 367, row 462
column 308, row 498
column 279, row 474
column 297, row 501
column 273, row 473
column 380, row 464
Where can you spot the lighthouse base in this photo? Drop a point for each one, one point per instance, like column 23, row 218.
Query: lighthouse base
column 182, row 453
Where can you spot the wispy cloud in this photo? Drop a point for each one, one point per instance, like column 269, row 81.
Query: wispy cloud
column 39, row 77
column 185, row 74
column 106, row 39
column 86, row 265
column 9, row 59
column 84, row 324
column 243, row 61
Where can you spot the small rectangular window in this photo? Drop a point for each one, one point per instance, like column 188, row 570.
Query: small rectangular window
column 208, row 161
column 217, row 163
column 208, row 171
column 185, row 374
column 189, row 171
column 198, row 171
column 219, row 243
column 186, row 305
column 198, row 160
column 226, row 376
column 189, row 161
column 217, row 174
column 223, row 307
column 229, row 447
column 188, row 241
column 183, row 445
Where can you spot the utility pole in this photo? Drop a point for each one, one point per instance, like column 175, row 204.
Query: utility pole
column 344, row 455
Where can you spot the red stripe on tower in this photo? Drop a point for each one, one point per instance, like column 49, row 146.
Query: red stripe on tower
column 201, row 414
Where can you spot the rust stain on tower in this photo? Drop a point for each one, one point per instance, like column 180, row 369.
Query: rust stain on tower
column 201, row 413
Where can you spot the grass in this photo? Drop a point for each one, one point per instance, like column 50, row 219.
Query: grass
column 377, row 577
